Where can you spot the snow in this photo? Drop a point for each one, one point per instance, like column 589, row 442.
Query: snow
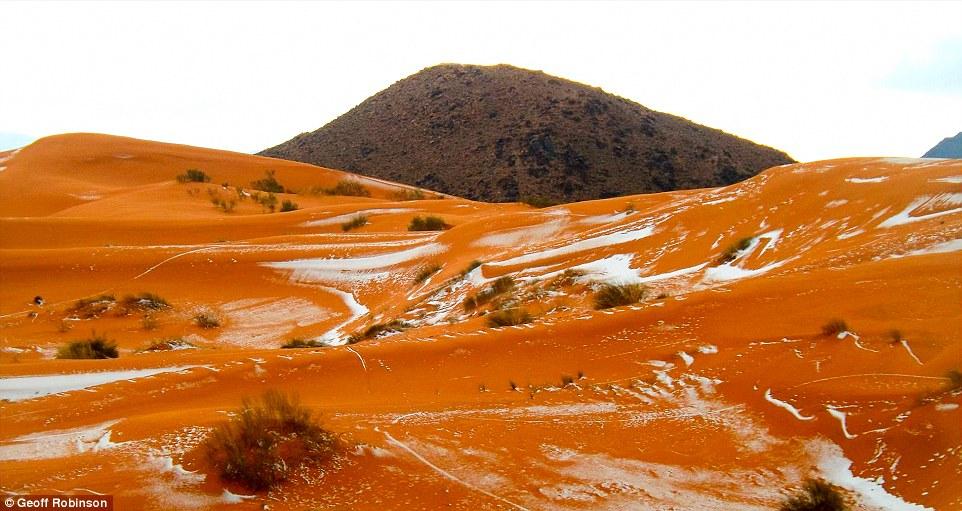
column 58, row 443
column 232, row 498
column 260, row 322
column 672, row 274
column 614, row 269
column 951, row 179
column 29, row 387
column 727, row 272
column 944, row 199
column 867, row 179
column 782, row 404
column 333, row 336
column 339, row 219
column 836, row 203
column 708, row 349
column 354, row 270
column 840, row 415
column 946, row 407
column 905, row 344
column 604, row 240
column 521, row 235
column 685, row 357
column 837, row 470
column 939, row 248
column 604, row 219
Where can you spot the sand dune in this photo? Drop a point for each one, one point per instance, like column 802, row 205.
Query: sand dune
column 719, row 390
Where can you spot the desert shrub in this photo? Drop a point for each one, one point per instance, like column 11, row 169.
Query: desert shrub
column 225, row 204
column 267, row 201
column 381, row 328
column 498, row 287
column 288, row 205
column 170, row 344
column 955, row 379
column 206, row 319
column 815, row 495
column 895, row 336
column 269, row 184
column 732, row 251
column 537, row 201
column 509, row 317
column 616, row 295
column 502, row 285
column 470, row 267
column 406, row 195
column 266, row 440
column 97, row 347
column 354, row 223
column 425, row 272
column 301, row 343
column 427, row 223
column 566, row 380
column 193, row 176
column 144, row 302
column 92, row 307
column 348, row 187
column 834, row 327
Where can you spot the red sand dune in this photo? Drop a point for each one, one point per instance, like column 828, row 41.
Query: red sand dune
column 717, row 391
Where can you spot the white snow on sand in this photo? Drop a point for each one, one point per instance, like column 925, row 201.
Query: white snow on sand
column 604, row 240
column 867, row 179
column 840, row 415
column 262, row 322
column 951, row 179
column 943, row 199
column 353, row 270
column 346, row 217
column 726, row 272
column 837, row 470
column 787, row 406
column 939, row 248
column 59, row 443
column 521, row 235
column 20, row 388
column 334, row 336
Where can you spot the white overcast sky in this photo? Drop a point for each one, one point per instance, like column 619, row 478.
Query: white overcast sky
column 818, row 80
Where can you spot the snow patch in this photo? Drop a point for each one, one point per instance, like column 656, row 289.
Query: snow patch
column 604, row 240
column 782, row 404
column 354, row 270
column 867, row 179
column 837, row 469
column 20, row 388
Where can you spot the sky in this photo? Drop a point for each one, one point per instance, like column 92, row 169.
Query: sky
column 817, row 80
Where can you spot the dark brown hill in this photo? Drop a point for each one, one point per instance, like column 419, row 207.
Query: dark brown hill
column 500, row 133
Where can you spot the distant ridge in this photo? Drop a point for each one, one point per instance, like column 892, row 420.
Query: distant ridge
column 500, row 133
column 950, row 147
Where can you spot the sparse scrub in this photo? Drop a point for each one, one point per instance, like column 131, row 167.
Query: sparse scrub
column 408, row 195
column 225, row 204
column 170, row 344
column 470, row 267
column 566, row 380
column 97, row 347
column 427, row 223
column 509, row 317
column 268, row 184
column 816, row 495
column 537, row 201
column 616, row 295
column 266, row 440
column 498, row 287
column 955, row 379
column 348, row 187
column 731, row 252
column 354, row 223
column 144, row 302
column 834, row 327
column 267, row 201
column 301, row 343
column 193, row 176
column 87, row 308
column 206, row 319
column 381, row 328
column 895, row 336
column 425, row 272
column 288, row 205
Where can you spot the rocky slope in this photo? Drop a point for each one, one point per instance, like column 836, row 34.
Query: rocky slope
column 949, row 147
column 501, row 133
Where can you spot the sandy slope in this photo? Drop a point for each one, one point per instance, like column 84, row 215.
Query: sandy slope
column 719, row 391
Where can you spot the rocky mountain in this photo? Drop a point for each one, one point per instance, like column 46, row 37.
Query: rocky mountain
column 500, row 133
column 950, row 147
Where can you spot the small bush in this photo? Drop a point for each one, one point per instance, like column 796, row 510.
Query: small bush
column 349, row 188
column 171, row 344
column 269, row 184
column 193, row 176
column 566, row 380
column 616, row 295
column 470, row 267
column 537, row 201
column 97, row 347
column 427, row 223
column 509, row 317
column 895, row 336
column 425, row 272
column 301, row 343
column 815, row 495
column 354, row 223
column 268, row 201
column 502, row 285
column 93, row 307
column 408, row 195
column 498, row 287
column 266, row 440
column 144, row 302
column 732, row 251
column 834, row 327
column 382, row 328
column 288, row 205
column 207, row 319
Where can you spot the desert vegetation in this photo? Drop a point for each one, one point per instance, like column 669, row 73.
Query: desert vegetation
column 288, row 205
column 268, row 183
column 207, row 319
column 538, row 201
column 377, row 329
column 427, row 223
column 170, row 344
column 617, row 295
column 267, row 201
column 144, row 302
column 499, row 287
column 93, row 307
column 470, row 267
column 193, row 176
column 834, row 327
column 96, row 347
column 225, row 203
column 266, row 440
column 731, row 252
column 408, row 195
column 344, row 187
column 425, row 272
column 354, row 223
column 815, row 495
column 509, row 317
column 301, row 343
